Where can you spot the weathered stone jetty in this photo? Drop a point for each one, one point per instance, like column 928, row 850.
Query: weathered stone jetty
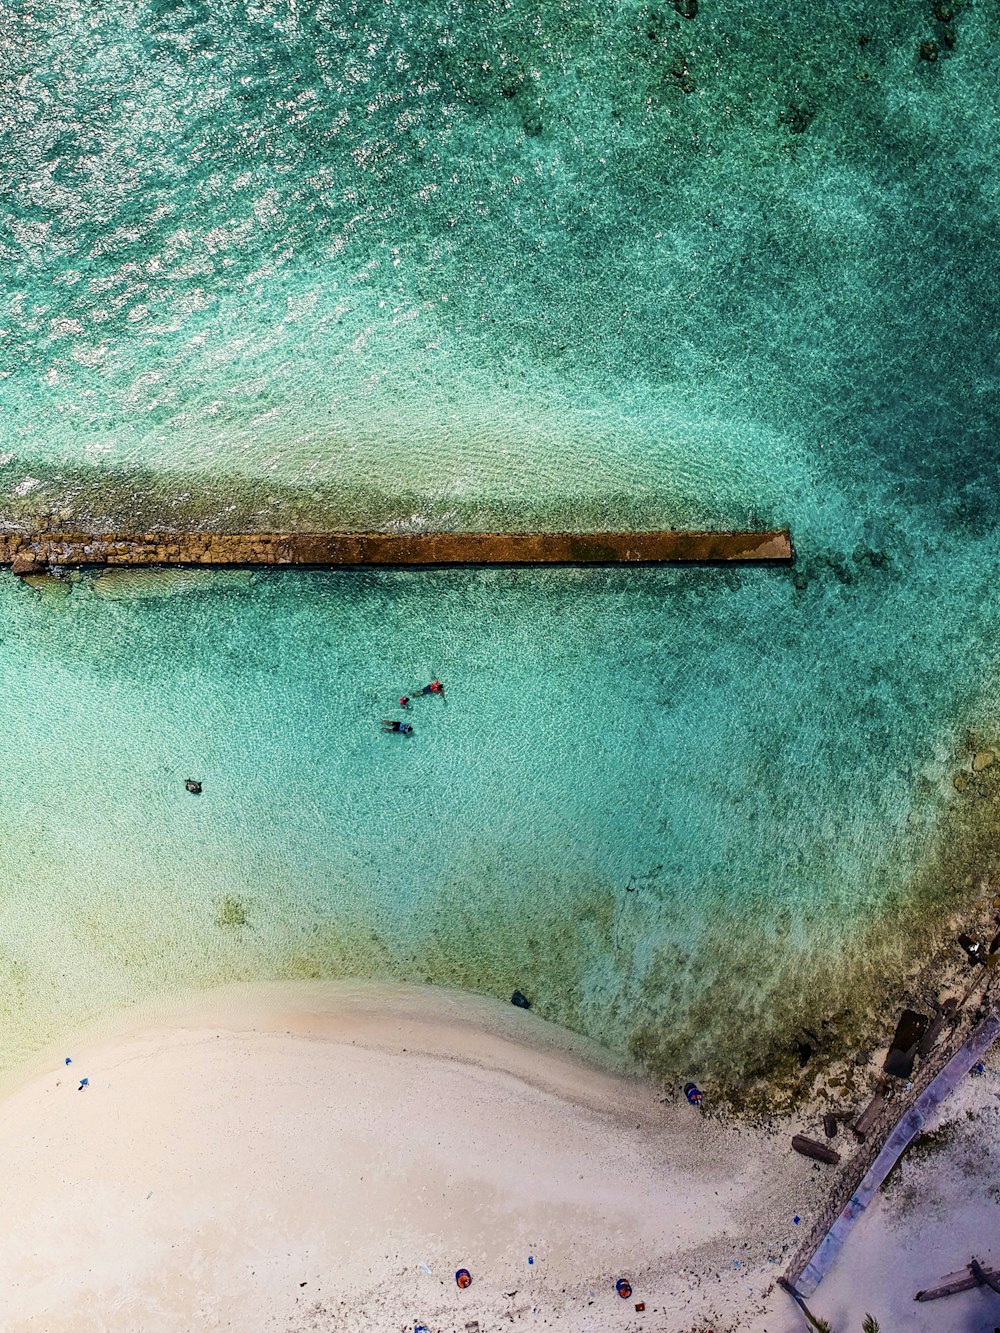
column 34, row 553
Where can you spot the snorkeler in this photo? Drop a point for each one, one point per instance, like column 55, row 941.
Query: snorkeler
column 404, row 728
column 193, row 787
column 435, row 687
column 404, row 701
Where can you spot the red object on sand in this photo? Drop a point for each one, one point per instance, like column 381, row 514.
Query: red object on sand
column 623, row 1288
column 464, row 1278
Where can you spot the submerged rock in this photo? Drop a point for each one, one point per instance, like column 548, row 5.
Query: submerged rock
column 983, row 760
column 928, row 50
column 25, row 562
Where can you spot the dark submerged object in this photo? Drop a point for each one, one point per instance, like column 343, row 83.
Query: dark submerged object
column 520, row 1000
column 193, row 787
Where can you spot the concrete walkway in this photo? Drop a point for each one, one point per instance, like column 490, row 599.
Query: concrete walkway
column 909, row 1125
column 33, row 553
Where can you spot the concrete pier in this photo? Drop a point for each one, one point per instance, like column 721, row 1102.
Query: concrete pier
column 32, row 553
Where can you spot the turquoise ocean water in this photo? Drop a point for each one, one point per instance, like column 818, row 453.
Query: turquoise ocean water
column 499, row 265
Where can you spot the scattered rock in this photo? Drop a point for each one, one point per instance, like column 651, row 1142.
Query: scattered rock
column 960, row 782
column 983, row 760
column 943, row 13
column 688, row 9
column 928, row 50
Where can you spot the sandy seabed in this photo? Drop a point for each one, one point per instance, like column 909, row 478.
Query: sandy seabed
column 325, row 1156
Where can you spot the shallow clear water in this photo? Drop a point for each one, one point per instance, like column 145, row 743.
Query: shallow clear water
column 488, row 266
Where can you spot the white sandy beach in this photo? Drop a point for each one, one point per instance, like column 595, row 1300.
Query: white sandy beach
column 320, row 1156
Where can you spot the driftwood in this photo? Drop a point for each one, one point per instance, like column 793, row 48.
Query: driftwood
column 870, row 1114
column 977, row 1276
column 991, row 1280
column 819, row 1151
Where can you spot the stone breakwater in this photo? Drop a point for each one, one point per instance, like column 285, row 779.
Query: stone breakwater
column 34, row 553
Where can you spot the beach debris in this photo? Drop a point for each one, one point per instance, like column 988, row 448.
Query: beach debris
column 871, row 1113
column 929, row 1040
column 796, row 1219
column 68, row 1061
column 463, row 1278
column 193, row 786
column 640, row 1306
column 903, row 1050
column 84, row 1083
column 693, row 1094
column 830, row 1125
column 472, row 1326
column 976, row 1276
column 978, row 1070
column 425, row 1268
column 531, row 1258
column 972, row 948
column 520, row 1000
column 820, row 1152
column 419, row 1328
column 624, row 1288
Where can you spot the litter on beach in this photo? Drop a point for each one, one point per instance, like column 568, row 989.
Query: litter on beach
column 463, row 1278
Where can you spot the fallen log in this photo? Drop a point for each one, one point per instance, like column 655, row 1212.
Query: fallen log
column 976, row 1276
column 820, row 1151
column 870, row 1114
column 991, row 1280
